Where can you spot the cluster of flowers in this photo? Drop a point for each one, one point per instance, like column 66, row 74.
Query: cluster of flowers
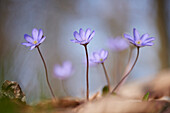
column 83, row 38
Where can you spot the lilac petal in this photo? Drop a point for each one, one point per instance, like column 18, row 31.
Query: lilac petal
column 75, row 41
column 102, row 53
column 128, row 37
column 84, row 42
column 149, row 39
column 144, row 37
column 67, row 65
column 136, row 34
column 131, row 41
column 92, row 63
column 35, row 34
column 82, row 34
column 96, row 56
column 123, row 44
column 148, row 44
column 105, row 55
column 32, row 47
column 91, row 35
column 58, row 71
column 40, row 34
column 27, row 44
column 42, row 39
column 63, row 71
column 28, row 38
column 77, row 36
column 88, row 31
column 94, row 60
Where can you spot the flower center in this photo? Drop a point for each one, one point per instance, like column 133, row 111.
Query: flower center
column 35, row 42
column 139, row 42
column 101, row 59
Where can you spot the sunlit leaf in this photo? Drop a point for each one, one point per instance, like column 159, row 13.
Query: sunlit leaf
column 146, row 97
column 105, row 90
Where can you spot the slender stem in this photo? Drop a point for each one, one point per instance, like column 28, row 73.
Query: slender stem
column 115, row 69
column 124, row 77
column 126, row 69
column 62, row 81
column 107, row 77
column 118, row 67
column 128, row 64
column 46, row 73
column 87, row 76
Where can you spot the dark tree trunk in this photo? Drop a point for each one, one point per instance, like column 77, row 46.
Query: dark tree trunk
column 162, row 28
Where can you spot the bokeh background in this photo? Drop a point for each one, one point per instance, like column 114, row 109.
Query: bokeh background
column 59, row 19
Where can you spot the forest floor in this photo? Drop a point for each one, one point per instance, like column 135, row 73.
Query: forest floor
column 128, row 100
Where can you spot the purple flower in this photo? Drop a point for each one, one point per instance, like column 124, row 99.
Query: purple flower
column 36, row 39
column 64, row 71
column 118, row 44
column 83, row 37
column 100, row 56
column 139, row 41
column 92, row 64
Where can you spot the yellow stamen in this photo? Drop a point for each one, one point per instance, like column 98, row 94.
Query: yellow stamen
column 139, row 42
column 101, row 59
column 35, row 42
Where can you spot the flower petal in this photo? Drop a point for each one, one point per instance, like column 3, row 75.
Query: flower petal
column 128, row 37
column 131, row 41
column 88, row 31
column 84, row 42
column 28, row 38
column 67, row 67
column 40, row 34
column 91, row 35
column 58, row 71
column 149, row 39
column 82, row 34
column 102, row 53
column 144, row 37
column 77, row 36
column 35, row 34
column 105, row 55
column 96, row 56
column 148, row 44
column 27, row 44
column 42, row 39
column 32, row 47
column 75, row 41
column 136, row 34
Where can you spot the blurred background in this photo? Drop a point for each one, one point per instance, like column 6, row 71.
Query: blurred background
column 59, row 19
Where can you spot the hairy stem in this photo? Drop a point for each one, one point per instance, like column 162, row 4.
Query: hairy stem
column 124, row 77
column 107, row 77
column 126, row 69
column 64, row 89
column 87, row 75
column 46, row 73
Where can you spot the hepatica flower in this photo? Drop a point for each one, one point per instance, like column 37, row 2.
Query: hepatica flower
column 117, row 44
column 99, row 57
column 63, row 71
column 91, row 64
column 36, row 39
column 139, row 41
column 83, row 37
